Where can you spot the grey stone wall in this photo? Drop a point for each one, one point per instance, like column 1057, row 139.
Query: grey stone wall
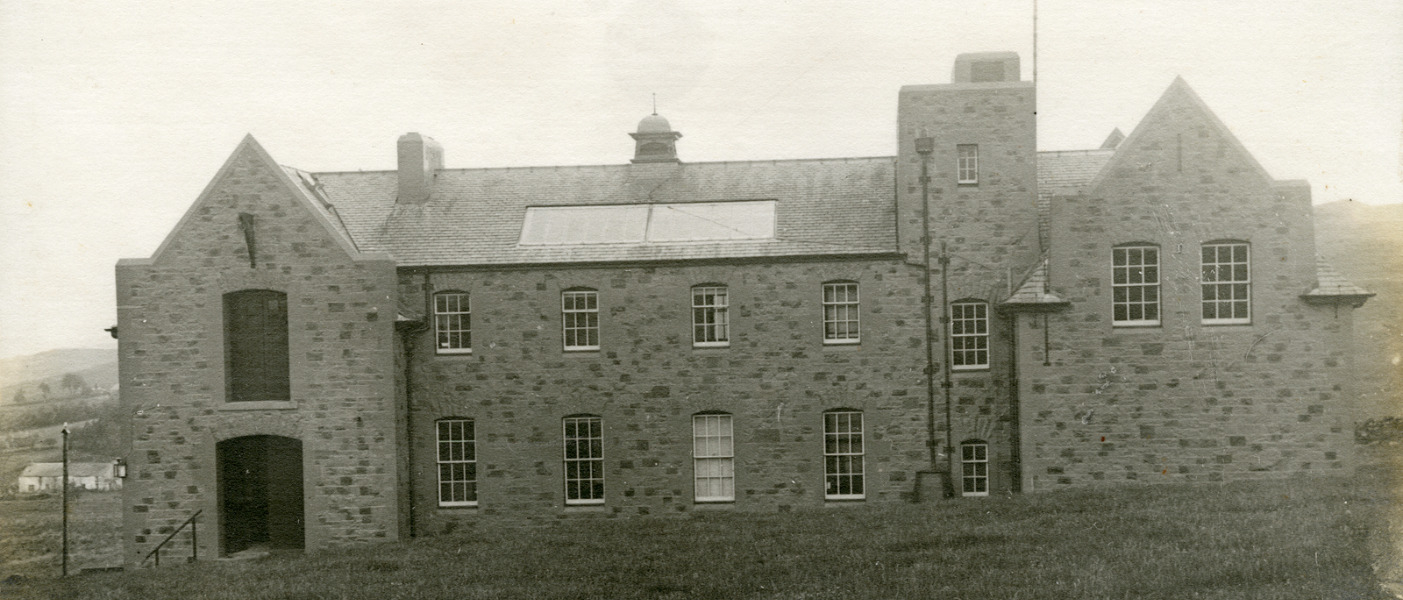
column 1184, row 400
column 776, row 379
column 341, row 313
column 990, row 230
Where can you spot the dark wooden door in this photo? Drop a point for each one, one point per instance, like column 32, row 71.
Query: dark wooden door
column 285, row 518
column 260, row 488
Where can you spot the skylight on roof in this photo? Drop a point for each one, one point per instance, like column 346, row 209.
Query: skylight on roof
column 649, row 223
column 585, row 224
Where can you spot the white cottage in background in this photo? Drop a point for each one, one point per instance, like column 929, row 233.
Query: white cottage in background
column 44, row 477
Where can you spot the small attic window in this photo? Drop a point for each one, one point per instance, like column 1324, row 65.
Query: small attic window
column 986, row 70
column 649, row 223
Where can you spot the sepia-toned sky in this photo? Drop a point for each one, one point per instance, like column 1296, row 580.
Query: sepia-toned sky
column 114, row 115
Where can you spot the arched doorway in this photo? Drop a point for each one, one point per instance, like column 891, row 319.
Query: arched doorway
column 260, row 493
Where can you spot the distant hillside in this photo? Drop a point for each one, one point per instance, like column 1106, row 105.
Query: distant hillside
column 1365, row 243
column 97, row 367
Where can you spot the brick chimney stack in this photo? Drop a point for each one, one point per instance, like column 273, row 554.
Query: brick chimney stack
column 420, row 159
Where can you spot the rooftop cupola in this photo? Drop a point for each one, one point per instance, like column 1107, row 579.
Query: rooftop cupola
column 655, row 141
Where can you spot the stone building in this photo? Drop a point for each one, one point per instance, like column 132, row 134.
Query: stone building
column 315, row 359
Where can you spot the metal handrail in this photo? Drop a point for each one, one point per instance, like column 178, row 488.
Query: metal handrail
column 194, row 540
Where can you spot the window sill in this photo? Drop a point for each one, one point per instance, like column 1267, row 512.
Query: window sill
column 463, row 352
column 1128, row 327
column 597, row 507
column 841, row 343
column 980, row 369
column 259, row 405
column 710, row 345
column 831, row 501
column 580, row 349
column 1226, row 323
column 457, row 506
column 714, row 505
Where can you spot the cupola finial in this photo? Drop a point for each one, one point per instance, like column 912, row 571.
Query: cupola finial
column 655, row 141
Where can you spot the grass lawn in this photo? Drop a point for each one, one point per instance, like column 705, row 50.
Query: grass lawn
column 31, row 541
column 1304, row 538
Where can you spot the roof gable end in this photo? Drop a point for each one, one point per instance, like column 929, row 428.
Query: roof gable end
column 1178, row 103
column 250, row 151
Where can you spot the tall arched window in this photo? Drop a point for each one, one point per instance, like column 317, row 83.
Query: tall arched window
column 713, row 457
column 584, row 459
column 255, row 346
column 843, row 455
column 457, row 462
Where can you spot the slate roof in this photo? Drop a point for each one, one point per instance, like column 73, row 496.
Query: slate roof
column 1033, row 292
column 1064, row 172
column 474, row 216
column 1330, row 284
column 54, row 469
column 306, row 184
column 843, row 206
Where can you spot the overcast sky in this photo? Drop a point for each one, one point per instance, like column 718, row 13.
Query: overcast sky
column 114, row 115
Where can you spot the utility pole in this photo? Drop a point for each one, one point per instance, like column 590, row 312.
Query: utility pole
column 64, row 483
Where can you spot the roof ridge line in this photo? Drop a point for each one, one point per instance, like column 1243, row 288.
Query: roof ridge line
column 615, row 165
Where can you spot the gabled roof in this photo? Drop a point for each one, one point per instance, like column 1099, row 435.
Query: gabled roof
column 824, row 207
column 1178, row 90
column 54, row 469
column 250, row 148
column 474, row 216
column 1331, row 286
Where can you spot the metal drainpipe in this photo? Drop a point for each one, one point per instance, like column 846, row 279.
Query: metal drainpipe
column 924, row 146
column 1016, row 441
column 409, row 346
column 409, row 334
column 945, row 347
